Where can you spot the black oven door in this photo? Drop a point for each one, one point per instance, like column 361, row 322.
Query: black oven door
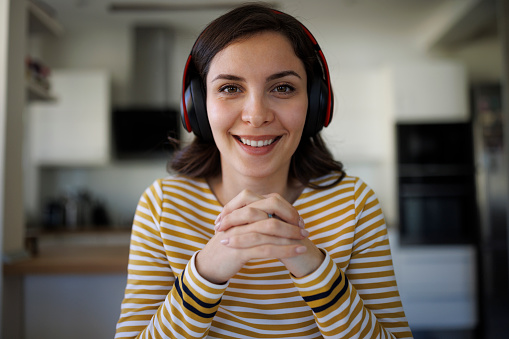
column 437, row 213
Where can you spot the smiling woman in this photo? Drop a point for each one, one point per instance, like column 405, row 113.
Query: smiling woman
column 248, row 97
column 270, row 238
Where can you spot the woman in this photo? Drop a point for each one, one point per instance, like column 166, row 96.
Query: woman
column 260, row 234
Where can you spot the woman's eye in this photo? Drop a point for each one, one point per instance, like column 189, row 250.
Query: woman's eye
column 229, row 89
column 283, row 89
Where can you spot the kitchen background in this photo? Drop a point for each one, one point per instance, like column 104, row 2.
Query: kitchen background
column 418, row 116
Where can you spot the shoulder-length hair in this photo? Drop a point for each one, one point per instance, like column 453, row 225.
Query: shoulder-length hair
column 311, row 159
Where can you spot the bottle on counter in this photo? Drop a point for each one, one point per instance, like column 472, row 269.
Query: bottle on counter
column 71, row 211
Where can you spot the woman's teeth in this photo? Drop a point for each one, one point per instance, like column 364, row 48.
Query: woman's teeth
column 256, row 143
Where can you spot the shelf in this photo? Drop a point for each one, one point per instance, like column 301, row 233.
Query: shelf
column 36, row 92
column 41, row 22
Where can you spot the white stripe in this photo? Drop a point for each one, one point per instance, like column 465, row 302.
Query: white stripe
column 271, row 301
column 273, row 311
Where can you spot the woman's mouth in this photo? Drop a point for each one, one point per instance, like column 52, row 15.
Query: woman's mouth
column 256, row 143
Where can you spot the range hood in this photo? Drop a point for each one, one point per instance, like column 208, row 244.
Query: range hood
column 141, row 128
column 152, row 57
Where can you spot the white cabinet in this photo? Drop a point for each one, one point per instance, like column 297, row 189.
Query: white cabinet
column 437, row 285
column 430, row 91
column 75, row 129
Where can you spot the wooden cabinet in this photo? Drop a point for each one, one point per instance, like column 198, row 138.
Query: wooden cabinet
column 75, row 129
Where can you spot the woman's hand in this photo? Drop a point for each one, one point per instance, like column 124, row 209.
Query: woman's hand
column 255, row 227
column 245, row 232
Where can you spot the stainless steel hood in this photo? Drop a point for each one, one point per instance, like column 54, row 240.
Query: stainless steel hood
column 152, row 57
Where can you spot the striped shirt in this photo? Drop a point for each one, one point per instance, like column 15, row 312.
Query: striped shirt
column 353, row 294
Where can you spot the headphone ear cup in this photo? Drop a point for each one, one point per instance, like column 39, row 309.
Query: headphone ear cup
column 197, row 110
column 317, row 107
column 187, row 110
column 325, row 109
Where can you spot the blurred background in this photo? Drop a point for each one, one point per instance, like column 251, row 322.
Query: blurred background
column 89, row 92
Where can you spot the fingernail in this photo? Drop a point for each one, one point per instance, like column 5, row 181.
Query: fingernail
column 304, row 232
column 301, row 249
column 218, row 219
column 216, row 227
column 301, row 223
column 225, row 241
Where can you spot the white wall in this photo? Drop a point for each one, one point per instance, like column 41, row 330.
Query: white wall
column 14, row 106
column 361, row 133
column 4, row 10
column 12, row 103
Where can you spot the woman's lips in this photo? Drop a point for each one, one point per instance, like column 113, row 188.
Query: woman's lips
column 258, row 145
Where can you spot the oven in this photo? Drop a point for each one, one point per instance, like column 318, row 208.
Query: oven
column 436, row 183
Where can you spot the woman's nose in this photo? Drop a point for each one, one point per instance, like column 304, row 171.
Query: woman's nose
column 257, row 111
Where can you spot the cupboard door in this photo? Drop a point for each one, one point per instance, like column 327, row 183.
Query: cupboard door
column 430, row 91
column 74, row 129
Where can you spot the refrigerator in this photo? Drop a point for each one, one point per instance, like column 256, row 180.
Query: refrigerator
column 491, row 161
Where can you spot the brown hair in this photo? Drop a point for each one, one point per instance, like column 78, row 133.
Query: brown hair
column 202, row 159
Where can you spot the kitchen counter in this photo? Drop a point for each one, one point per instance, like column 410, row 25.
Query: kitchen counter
column 83, row 252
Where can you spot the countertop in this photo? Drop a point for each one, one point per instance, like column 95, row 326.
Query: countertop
column 81, row 252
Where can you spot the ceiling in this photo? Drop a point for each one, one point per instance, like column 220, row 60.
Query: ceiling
column 417, row 17
column 192, row 13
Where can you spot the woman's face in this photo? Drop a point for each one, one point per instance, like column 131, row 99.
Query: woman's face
column 257, row 103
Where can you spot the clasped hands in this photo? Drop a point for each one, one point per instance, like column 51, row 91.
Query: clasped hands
column 246, row 230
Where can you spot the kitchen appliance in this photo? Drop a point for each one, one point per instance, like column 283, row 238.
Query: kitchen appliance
column 492, row 180
column 436, row 183
column 141, row 127
column 144, row 132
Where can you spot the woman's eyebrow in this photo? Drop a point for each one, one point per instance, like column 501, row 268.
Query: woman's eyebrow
column 282, row 75
column 272, row 77
column 227, row 77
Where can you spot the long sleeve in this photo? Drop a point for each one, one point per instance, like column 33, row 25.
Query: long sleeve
column 363, row 301
column 158, row 302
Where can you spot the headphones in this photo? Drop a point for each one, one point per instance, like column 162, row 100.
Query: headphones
column 193, row 107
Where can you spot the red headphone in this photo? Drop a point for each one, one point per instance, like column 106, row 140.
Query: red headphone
column 193, row 108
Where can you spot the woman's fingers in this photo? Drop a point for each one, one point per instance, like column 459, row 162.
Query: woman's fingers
column 242, row 216
column 270, row 251
column 269, row 227
column 249, row 208
column 250, row 240
column 260, row 246
column 242, row 199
